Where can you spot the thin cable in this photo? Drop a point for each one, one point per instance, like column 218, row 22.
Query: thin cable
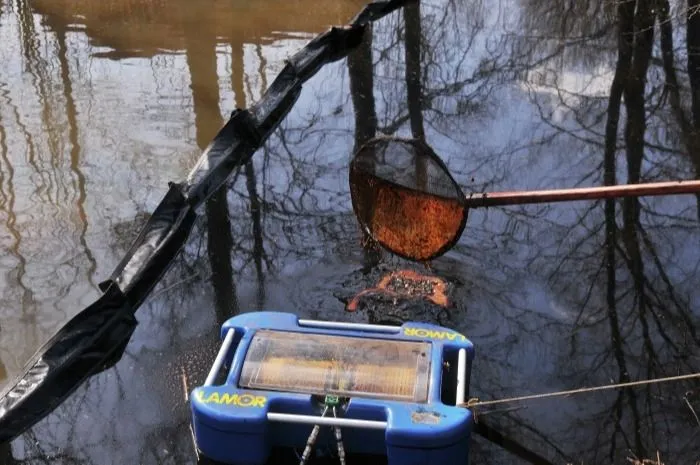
column 475, row 402
column 311, row 441
column 339, row 440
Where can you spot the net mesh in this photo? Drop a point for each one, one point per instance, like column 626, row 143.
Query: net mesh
column 405, row 198
column 408, row 163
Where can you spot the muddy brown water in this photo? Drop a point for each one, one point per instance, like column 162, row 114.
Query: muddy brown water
column 103, row 103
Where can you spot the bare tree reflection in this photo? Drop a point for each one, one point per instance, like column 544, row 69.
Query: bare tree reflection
column 414, row 87
column 649, row 314
column 693, row 49
column 414, row 83
column 201, row 60
column 7, row 207
column 634, row 139
column 57, row 197
column 635, row 320
column 360, row 73
column 75, row 149
column 554, row 298
column 688, row 130
column 258, row 248
column 258, row 251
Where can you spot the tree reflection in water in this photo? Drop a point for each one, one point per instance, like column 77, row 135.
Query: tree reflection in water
column 554, row 297
column 645, row 325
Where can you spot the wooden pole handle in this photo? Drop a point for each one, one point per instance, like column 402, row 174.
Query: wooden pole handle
column 492, row 199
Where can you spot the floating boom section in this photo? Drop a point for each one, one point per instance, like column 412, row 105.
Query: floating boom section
column 96, row 337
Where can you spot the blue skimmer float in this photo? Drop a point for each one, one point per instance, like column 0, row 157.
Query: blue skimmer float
column 279, row 381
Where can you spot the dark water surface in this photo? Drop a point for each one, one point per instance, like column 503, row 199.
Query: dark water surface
column 103, row 102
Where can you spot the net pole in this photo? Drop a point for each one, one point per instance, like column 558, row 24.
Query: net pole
column 492, row 199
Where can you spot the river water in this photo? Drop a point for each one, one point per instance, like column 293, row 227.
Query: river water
column 102, row 103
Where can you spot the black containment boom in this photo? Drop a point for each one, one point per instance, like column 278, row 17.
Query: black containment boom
column 96, row 337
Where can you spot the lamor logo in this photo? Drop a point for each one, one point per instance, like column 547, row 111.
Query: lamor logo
column 225, row 398
column 432, row 334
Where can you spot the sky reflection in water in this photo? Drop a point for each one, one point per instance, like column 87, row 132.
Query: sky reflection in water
column 103, row 103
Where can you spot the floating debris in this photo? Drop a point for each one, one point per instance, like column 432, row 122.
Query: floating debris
column 406, row 284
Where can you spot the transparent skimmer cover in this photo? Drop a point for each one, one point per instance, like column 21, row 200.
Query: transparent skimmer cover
column 338, row 365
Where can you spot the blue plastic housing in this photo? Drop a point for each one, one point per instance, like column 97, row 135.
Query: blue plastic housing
column 231, row 424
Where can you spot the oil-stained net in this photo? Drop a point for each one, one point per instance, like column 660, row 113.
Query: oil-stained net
column 405, row 198
column 337, row 365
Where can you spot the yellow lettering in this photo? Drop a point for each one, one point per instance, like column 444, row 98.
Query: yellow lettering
column 224, row 398
column 431, row 334
column 228, row 399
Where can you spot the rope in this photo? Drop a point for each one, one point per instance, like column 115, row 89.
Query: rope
column 475, row 402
